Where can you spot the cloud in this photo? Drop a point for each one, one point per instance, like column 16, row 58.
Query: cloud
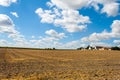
column 7, row 25
column 65, row 14
column 59, row 45
column 18, row 40
column 7, row 3
column 69, row 45
column 46, row 15
column 70, row 4
column 72, row 44
column 100, row 44
column 43, row 42
column 115, row 33
column 55, row 34
column 2, row 41
column 115, row 29
column 97, row 37
column 110, row 7
column 14, row 14
column 116, row 41
column 70, row 20
column 5, row 43
column 49, row 4
column 48, row 41
column 32, row 36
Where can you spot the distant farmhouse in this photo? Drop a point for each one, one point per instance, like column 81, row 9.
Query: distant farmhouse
column 95, row 48
column 102, row 48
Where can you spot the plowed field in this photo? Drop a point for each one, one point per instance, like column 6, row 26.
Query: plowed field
column 27, row 64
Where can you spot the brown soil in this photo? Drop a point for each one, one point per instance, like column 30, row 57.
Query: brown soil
column 26, row 64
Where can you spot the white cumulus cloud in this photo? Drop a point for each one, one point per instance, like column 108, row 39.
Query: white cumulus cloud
column 100, row 44
column 6, row 25
column 115, row 33
column 70, row 4
column 7, row 3
column 14, row 14
column 116, row 41
column 111, row 9
column 70, row 19
column 46, row 15
column 55, row 34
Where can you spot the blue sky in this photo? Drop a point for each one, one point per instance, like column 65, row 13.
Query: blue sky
column 59, row 23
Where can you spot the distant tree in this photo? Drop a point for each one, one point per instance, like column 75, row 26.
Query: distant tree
column 48, row 48
column 115, row 48
column 53, row 48
column 80, row 48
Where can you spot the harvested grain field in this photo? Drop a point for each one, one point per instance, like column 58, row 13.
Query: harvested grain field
column 28, row 64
